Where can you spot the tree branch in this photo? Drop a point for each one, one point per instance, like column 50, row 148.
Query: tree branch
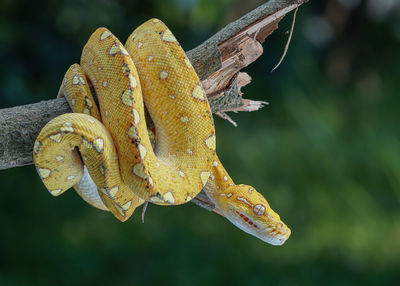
column 217, row 61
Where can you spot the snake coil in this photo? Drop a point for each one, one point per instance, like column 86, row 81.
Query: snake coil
column 104, row 150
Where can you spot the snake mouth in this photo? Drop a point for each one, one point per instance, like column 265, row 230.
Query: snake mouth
column 246, row 219
column 245, row 223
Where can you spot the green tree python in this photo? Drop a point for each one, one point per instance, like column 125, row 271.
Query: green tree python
column 107, row 153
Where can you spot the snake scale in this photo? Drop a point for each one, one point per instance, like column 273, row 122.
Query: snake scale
column 107, row 153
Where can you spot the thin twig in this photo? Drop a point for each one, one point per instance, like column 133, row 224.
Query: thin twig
column 288, row 41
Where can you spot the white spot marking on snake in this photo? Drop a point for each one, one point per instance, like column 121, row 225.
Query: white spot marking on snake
column 169, row 197
column 106, row 113
column 181, row 173
column 204, row 177
column 86, row 111
column 132, row 133
column 225, row 178
column 229, row 195
column 259, row 209
column 75, row 79
column 86, row 143
column 98, row 144
column 156, row 21
column 150, row 58
column 127, row 98
column 113, row 191
column 185, row 119
column 78, row 80
column 142, row 151
column 91, row 61
column 210, row 142
column 132, row 81
column 124, row 51
column 73, row 102
column 133, row 36
column 125, row 69
column 127, row 205
column 136, row 116
column 105, row 83
column 105, row 34
column 138, row 170
column 103, row 169
column 140, row 44
column 114, row 49
column 44, row 173
column 55, row 192
column 56, row 137
column 172, row 96
column 120, row 210
column 251, row 190
column 198, row 92
column 90, row 120
column 215, row 163
column 189, row 151
column 244, row 200
column 163, row 74
column 168, row 36
column 71, row 177
column 156, row 199
column 188, row 198
column 88, row 102
column 151, row 182
column 59, row 158
column 67, row 127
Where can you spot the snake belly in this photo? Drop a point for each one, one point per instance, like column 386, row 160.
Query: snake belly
column 113, row 140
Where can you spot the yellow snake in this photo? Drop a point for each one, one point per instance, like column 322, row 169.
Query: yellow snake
column 106, row 152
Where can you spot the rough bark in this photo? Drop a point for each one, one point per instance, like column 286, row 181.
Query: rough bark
column 217, row 62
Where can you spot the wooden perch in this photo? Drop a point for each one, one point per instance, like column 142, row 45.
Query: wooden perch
column 217, row 61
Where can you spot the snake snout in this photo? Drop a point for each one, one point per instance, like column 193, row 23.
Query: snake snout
column 281, row 238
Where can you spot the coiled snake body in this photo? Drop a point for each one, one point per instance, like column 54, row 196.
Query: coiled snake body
column 122, row 166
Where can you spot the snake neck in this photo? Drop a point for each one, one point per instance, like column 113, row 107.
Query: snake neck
column 218, row 182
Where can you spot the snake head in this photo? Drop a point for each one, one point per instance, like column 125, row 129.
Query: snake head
column 249, row 210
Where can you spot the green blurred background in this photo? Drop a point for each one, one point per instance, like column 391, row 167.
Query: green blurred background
column 325, row 153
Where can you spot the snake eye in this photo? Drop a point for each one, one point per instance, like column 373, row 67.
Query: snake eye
column 259, row 209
